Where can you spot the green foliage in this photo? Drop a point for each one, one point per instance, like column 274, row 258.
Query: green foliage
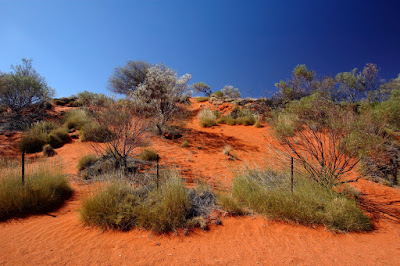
column 201, row 87
column 230, row 205
column 86, row 161
column 44, row 191
column 94, row 132
column 207, row 118
column 32, row 142
column 268, row 193
column 127, row 78
column 121, row 206
column 218, row 94
column 76, row 119
column 23, row 87
column 148, row 155
column 389, row 110
column 227, row 119
column 43, row 127
column 202, row 99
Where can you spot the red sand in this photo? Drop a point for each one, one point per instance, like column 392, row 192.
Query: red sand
column 245, row 240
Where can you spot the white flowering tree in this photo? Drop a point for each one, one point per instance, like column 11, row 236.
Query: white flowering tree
column 231, row 92
column 159, row 94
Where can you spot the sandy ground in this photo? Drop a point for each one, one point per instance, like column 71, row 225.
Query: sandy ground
column 62, row 240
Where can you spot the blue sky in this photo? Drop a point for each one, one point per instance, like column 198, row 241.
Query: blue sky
column 249, row 44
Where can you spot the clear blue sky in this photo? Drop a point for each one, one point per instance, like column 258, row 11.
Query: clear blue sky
column 249, row 44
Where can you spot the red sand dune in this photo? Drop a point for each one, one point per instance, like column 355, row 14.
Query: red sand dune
column 241, row 240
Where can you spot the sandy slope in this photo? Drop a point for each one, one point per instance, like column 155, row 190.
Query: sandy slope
column 247, row 240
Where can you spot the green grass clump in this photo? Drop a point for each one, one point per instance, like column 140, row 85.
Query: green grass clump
column 93, row 132
column 229, row 204
column 76, row 119
column 121, row 206
column 227, row 119
column 248, row 120
column 43, row 191
column 207, row 118
column 218, row 94
column 268, row 193
column 148, row 155
column 202, row 99
column 58, row 137
column 86, row 160
column 31, row 142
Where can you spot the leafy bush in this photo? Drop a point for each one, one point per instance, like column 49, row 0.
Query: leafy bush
column 227, row 119
column 43, row 191
column 268, row 193
column 76, row 119
column 32, row 142
column 148, row 155
column 58, row 137
column 218, row 94
column 94, row 132
column 229, row 204
column 207, row 118
column 202, row 99
column 122, row 206
column 86, row 161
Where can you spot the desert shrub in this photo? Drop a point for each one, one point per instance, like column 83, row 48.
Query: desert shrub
column 58, row 137
column 86, row 161
column 230, row 205
column 94, row 132
column 269, row 193
column 148, row 155
column 248, row 120
column 43, row 127
column 202, row 99
column 207, row 118
column 185, row 144
column 231, row 92
column 48, row 151
column 76, row 119
column 122, row 206
column 218, row 94
column 257, row 119
column 32, row 142
column 227, row 119
column 43, row 191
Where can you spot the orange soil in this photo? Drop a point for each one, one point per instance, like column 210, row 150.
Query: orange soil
column 245, row 240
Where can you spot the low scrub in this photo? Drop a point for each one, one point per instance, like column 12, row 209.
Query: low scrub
column 148, row 155
column 86, row 161
column 202, row 99
column 76, row 119
column 31, row 142
column 122, row 206
column 58, row 137
column 207, row 118
column 269, row 193
column 218, row 94
column 44, row 191
column 96, row 133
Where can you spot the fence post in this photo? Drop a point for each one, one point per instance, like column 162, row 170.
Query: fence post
column 291, row 174
column 23, row 168
column 157, row 170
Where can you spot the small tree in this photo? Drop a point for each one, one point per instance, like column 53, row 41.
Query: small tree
column 23, row 87
column 301, row 84
column 231, row 92
column 126, row 79
column 313, row 131
column 126, row 126
column 159, row 94
column 201, row 87
column 356, row 85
